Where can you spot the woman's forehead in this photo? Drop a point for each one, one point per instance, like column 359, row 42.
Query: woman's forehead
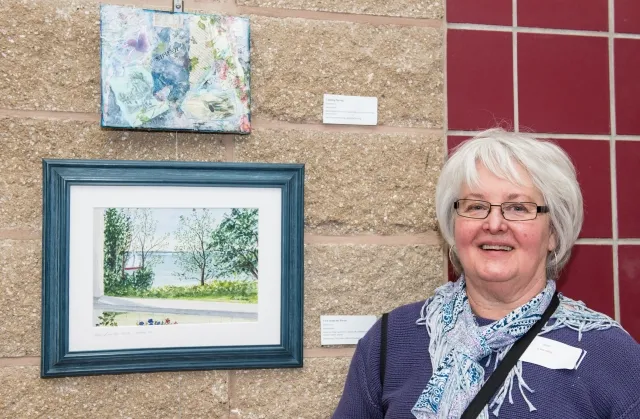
column 489, row 185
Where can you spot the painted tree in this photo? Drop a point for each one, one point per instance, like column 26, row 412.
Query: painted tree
column 144, row 238
column 117, row 239
column 193, row 245
column 235, row 242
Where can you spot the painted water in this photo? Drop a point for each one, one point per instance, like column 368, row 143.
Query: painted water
column 164, row 266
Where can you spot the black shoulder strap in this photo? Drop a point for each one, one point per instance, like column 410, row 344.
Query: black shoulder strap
column 383, row 346
column 500, row 374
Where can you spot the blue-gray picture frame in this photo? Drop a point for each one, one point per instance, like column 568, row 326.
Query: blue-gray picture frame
column 59, row 176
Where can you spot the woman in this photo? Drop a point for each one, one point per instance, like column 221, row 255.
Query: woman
column 510, row 209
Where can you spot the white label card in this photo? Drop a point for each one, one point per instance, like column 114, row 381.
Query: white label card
column 353, row 110
column 553, row 354
column 344, row 330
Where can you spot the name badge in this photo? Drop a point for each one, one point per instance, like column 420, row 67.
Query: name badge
column 552, row 354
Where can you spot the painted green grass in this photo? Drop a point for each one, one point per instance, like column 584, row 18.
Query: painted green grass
column 223, row 291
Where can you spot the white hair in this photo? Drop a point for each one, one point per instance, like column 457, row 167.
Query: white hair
column 500, row 151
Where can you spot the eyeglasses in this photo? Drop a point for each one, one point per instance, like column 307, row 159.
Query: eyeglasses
column 512, row 211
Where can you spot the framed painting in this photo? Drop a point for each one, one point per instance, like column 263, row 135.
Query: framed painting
column 174, row 71
column 158, row 266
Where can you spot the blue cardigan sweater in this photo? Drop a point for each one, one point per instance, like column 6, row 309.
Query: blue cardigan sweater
column 605, row 385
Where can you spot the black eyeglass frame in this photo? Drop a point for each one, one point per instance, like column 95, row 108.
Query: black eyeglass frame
column 540, row 209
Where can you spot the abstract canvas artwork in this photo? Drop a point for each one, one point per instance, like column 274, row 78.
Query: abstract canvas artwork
column 174, row 71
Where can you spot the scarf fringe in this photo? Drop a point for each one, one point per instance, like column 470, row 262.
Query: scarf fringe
column 576, row 316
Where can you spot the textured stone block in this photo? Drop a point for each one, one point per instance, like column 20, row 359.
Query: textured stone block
column 25, row 142
column 310, row 392
column 430, row 9
column 295, row 61
column 374, row 183
column 200, row 147
column 159, row 395
column 365, row 280
column 50, row 55
column 20, row 267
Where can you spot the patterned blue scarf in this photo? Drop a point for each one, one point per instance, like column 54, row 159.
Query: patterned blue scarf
column 457, row 344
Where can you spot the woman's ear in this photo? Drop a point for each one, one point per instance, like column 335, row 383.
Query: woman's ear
column 553, row 243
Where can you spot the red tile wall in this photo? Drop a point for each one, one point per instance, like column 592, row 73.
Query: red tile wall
column 564, row 14
column 563, row 83
column 489, row 12
column 591, row 159
column 589, row 277
column 628, row 186
column 627, row 81
column 629, row 271
column 627, row 16
column 480, row 74
column 578, row 85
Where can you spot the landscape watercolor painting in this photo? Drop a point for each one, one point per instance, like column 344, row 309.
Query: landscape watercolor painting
column 174, row 71
column 166, row 266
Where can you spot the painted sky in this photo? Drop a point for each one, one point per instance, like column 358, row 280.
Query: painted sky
column 168, row 220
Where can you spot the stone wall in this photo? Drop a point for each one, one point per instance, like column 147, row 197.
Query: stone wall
column 370, row 239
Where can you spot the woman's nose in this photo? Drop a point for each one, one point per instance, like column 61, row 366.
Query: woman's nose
column 495, row 222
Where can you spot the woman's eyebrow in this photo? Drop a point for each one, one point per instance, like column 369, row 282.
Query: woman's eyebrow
column 474, row 196
column 512, row 196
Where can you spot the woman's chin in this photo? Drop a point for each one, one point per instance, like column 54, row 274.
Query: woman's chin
column 494, row 274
